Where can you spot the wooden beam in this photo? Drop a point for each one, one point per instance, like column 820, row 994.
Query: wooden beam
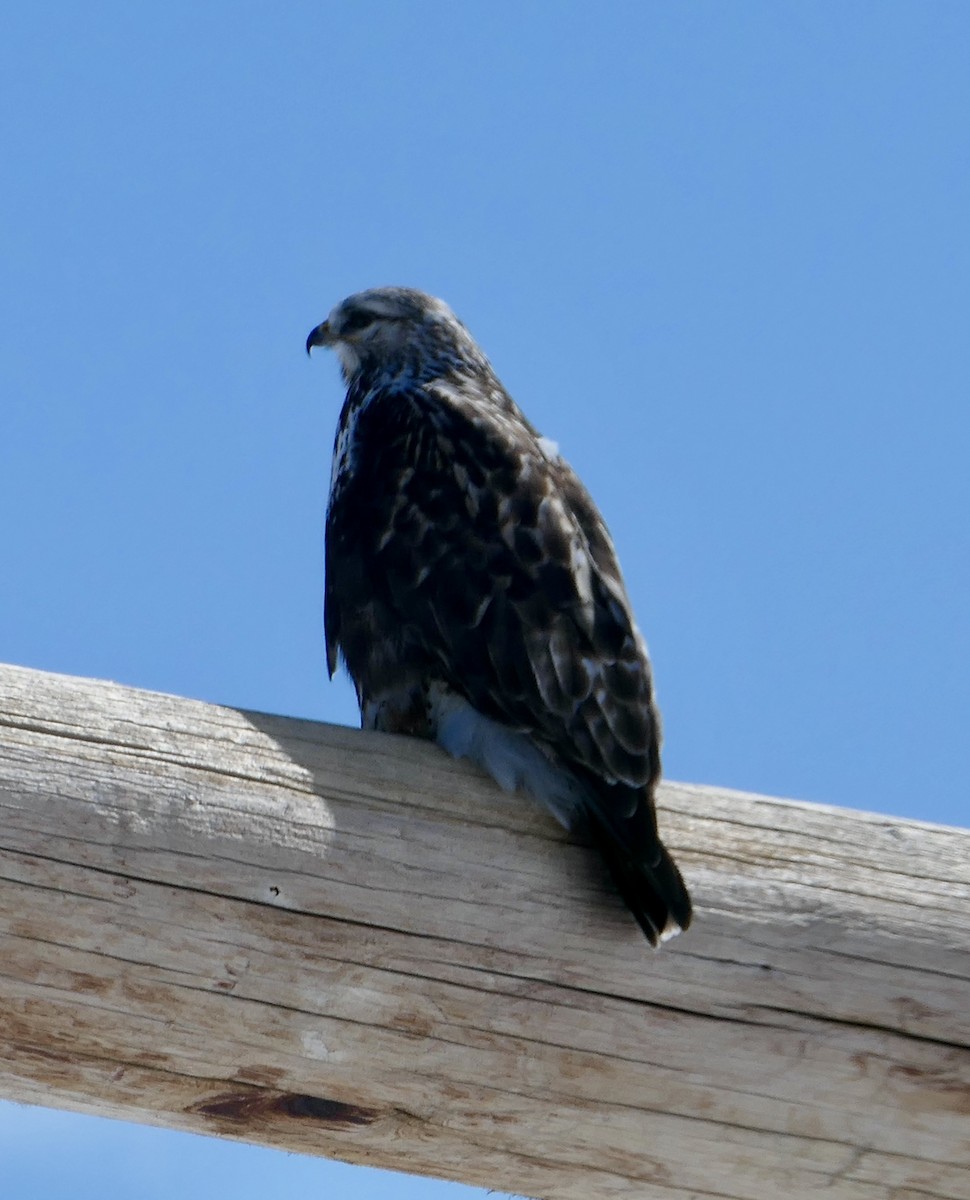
column 347, row 944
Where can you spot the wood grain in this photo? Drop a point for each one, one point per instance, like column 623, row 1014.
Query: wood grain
column 347, row 944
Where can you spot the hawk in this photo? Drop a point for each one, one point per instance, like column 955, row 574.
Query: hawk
column 473, row 591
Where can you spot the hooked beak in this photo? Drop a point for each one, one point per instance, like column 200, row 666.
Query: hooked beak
column 320, row 336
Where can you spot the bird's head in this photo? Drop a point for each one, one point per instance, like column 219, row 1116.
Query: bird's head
column 394, row 328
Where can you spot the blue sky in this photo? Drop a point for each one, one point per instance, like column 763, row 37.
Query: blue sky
column 720, row 253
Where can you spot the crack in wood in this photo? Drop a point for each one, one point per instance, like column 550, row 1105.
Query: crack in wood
column 255, row 1107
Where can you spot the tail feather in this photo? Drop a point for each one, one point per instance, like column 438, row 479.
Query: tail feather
column 650, row 884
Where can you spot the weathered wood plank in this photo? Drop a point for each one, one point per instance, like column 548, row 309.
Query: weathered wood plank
column 347, row 944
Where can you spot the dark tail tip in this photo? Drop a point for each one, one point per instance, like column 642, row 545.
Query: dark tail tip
column 656, row 893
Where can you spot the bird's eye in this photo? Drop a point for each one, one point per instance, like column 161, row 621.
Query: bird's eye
column 357, row 321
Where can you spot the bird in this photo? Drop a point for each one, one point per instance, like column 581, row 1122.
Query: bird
column 474, row 595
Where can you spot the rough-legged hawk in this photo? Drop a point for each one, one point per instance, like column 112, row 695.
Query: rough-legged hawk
column 474, row 594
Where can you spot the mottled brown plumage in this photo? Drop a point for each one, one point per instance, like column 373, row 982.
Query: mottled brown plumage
column 474, row 593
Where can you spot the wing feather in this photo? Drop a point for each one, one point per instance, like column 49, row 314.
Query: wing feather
column 489, row 558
